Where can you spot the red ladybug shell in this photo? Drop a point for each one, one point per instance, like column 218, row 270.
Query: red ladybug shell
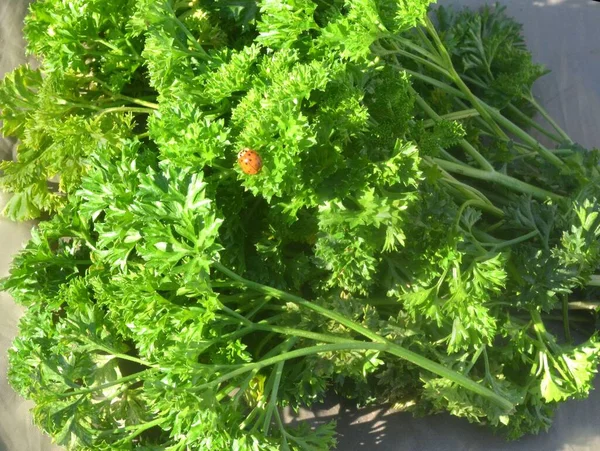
column 250, row 161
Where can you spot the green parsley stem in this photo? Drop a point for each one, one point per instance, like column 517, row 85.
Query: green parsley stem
column 432, row 81
column 119, row 381
column 119, row 51
column 533, row 123
column 474, row 153
column 242, row 387
column 78, row 105
column 284, row 433
column 411, row 45
column 474, row 359
column 448, row 156
column 461, row 211
column 111, row 352
column 303, row 333
column 135, row 360
column 255, row 366
column 466, row 190
column 185, row 30
column 249, row 418
column 137, row 430
column 475, row 101
column 261, row 305
column 457, row 115
column 565, row 314
column 123, row 109
column 398, row 51
column 517, row 240
column 548, row 118
column 427, row 43
column 526, row 138
column 497, row 177
column 492, row 116
column 137, row 101
column 381, row 343
column 272, row 405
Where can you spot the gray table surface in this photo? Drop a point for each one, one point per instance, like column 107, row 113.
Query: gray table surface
column 564, row 35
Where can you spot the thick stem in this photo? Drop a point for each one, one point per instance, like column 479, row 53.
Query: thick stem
column 448, row 156
column 495, row 114
column 497, row 177
column 303, row 333
column 135, row 359
column 185, row 30
column 474, row 153
column 468, row 194
column 123, row 109
column 431, row 55
column 381, row 343
column 273, row 399
column 427, row 42
column 526, row 138
column 538, row 327
column 467, row 191
column 533, row 124
column 489, row 114
column 390, row 348
column 565, row 314
column 119, row 381
column 302, row 352
column 78, row 105
column 485, row 127
column 458, row 81
column 433, row 82
column 457, row 115
column 151, row 105
column 549, row 119
column 517, row 240
column 112, row 352
column 423, row 61
column 140, row 429
column 284, row 433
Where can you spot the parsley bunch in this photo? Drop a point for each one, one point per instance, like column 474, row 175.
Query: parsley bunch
column 407, row 239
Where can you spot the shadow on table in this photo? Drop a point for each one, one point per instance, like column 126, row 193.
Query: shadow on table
column 575, row 427
column 3, row 446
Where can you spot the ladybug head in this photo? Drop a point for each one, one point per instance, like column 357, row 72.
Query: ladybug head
column 243, row 151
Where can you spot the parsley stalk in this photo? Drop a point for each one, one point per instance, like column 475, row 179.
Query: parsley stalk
column 443, row 63
column 379, row 343
column 496, row 177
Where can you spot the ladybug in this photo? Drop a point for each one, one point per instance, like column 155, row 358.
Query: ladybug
column 250, row 161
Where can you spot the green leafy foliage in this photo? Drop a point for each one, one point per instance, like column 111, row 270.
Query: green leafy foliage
column 405, row 239
column 489, row 50
column 82, row 37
